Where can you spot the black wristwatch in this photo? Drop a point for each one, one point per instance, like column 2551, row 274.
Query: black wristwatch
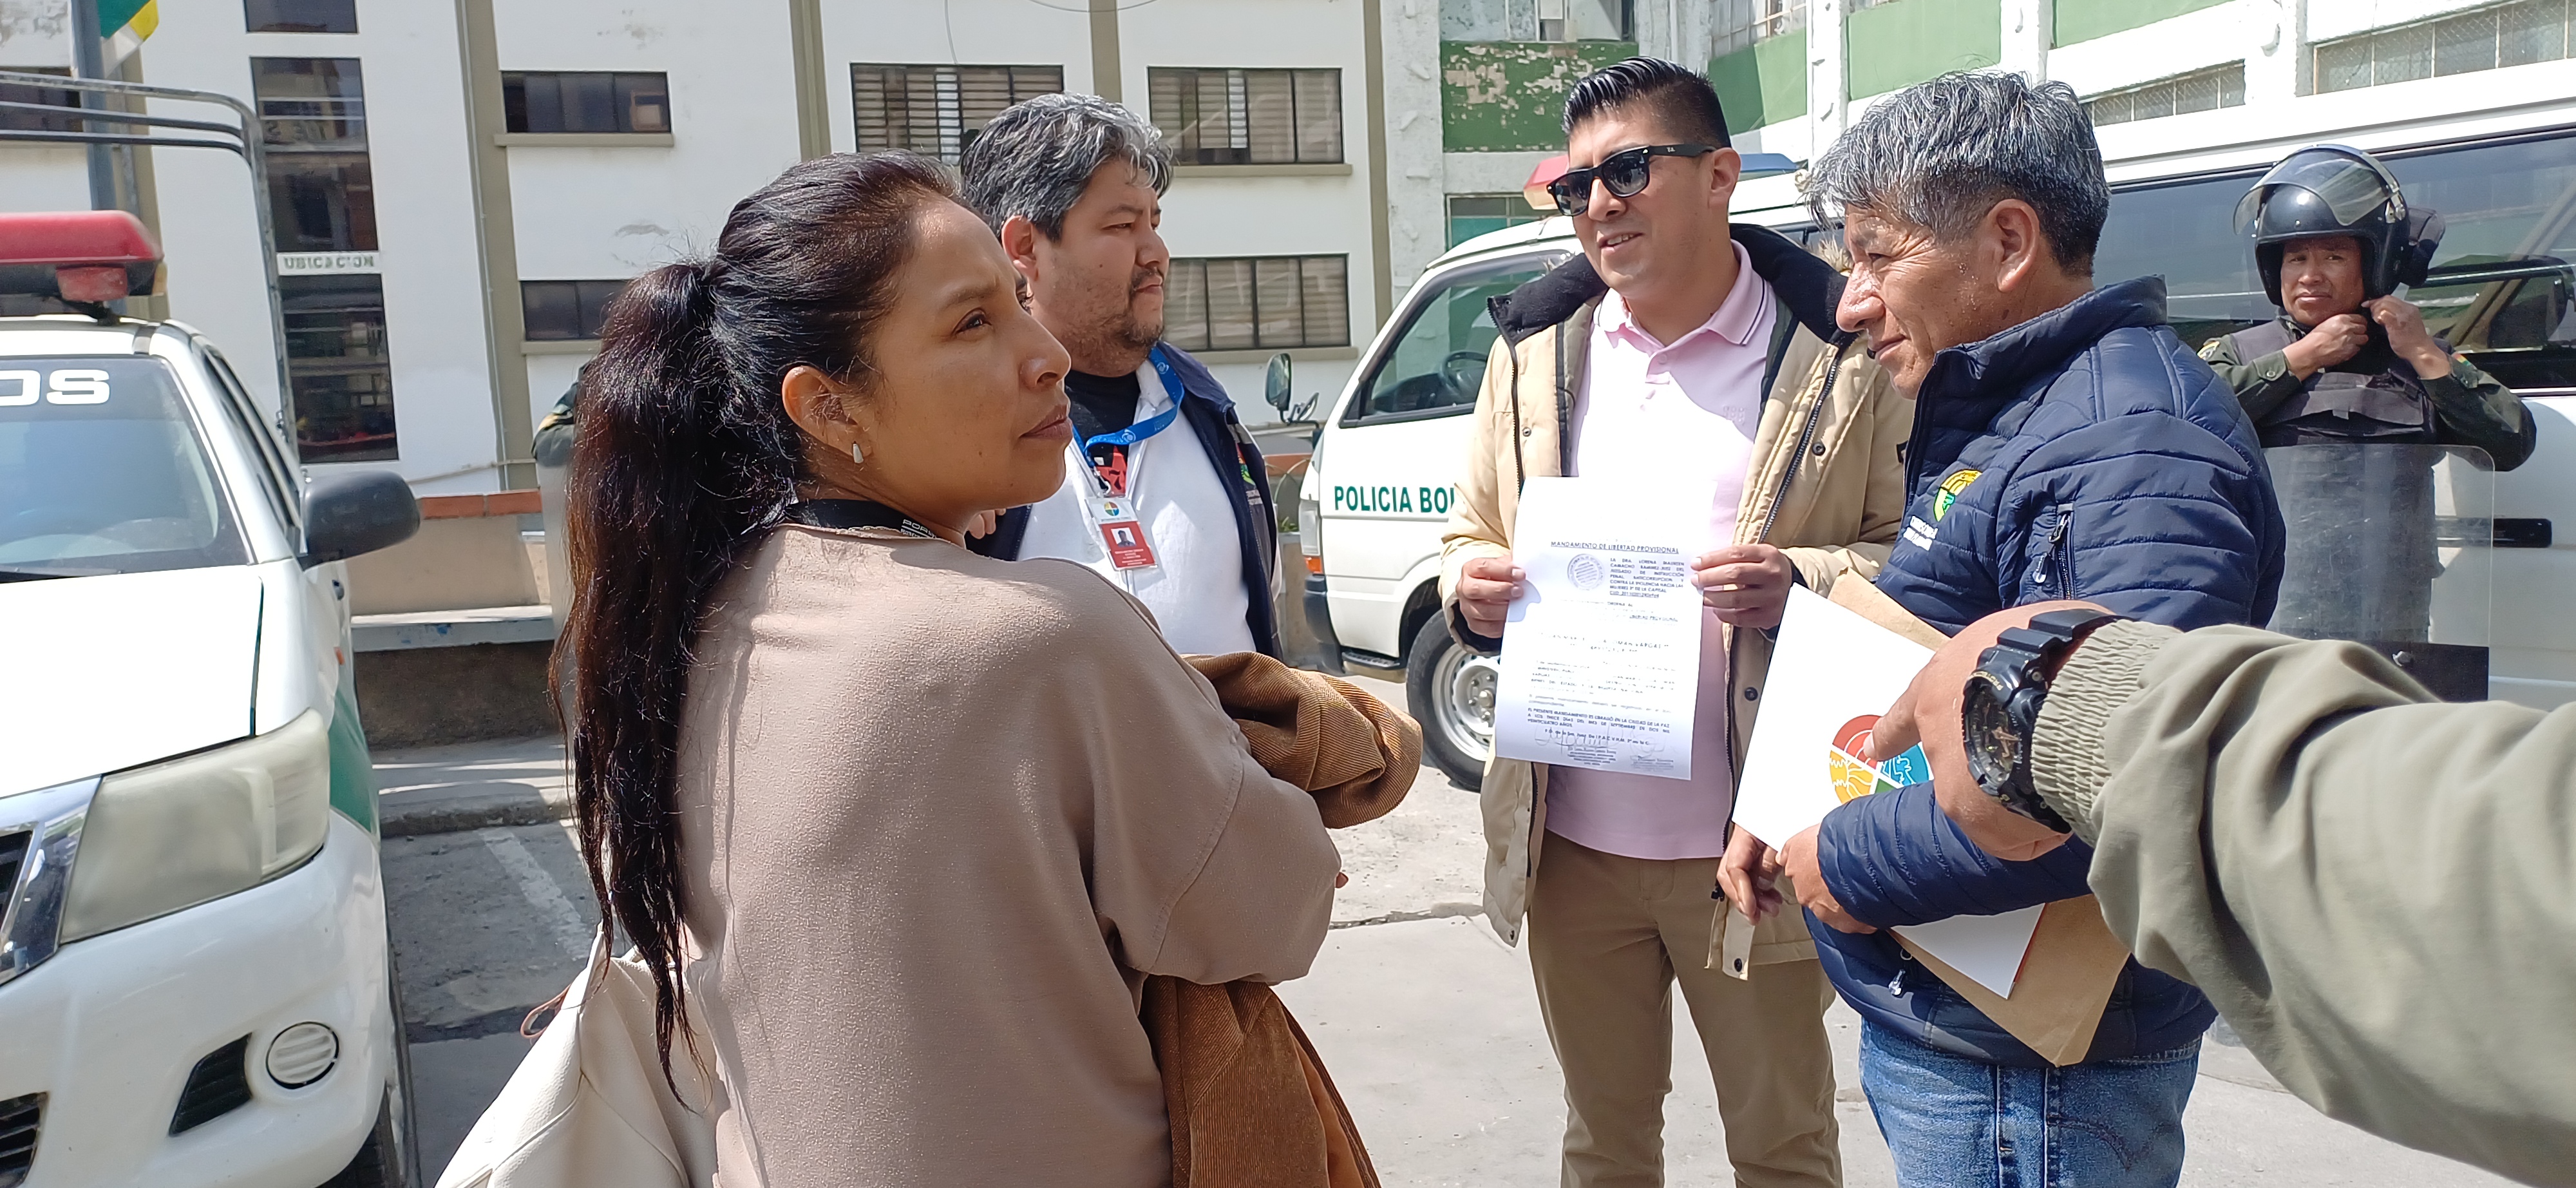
column 2002, row 701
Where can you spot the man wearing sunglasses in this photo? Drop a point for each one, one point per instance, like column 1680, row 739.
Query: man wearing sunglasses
column 1701, row 363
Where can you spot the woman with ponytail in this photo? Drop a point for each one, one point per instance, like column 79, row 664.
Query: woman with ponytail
column 901, row 829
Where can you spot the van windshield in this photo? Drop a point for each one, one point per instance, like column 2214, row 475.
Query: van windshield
column 1437, row 364
column 102, row 470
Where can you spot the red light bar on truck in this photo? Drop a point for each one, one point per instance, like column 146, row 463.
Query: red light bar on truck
column 84, row 255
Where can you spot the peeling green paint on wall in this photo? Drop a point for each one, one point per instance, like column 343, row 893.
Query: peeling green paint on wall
column 2084, row 20
column 1509, row 96
column 1895, row 45
column 1763, row 83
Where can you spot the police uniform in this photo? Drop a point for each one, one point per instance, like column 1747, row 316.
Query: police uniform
column 2362, row 531
column 2375, row 396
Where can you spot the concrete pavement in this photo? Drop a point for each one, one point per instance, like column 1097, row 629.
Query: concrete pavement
column 1428, row 1022
column 1431, row 1029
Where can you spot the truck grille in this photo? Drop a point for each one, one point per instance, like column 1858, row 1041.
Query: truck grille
column 216, row 1087
column 20, row 1118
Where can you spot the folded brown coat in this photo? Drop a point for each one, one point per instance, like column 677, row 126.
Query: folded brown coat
column 1251, row 1105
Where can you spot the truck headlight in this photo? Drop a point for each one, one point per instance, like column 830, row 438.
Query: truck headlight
column 176, row 834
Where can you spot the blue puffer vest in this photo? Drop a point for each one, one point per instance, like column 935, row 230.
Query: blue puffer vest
column 2088, row 454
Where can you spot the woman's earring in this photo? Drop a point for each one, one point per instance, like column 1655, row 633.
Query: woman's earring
column 857, row 458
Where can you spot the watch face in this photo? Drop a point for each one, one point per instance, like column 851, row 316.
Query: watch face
column 1994, row 746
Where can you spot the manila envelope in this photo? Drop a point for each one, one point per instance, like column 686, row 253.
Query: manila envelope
column 2073, row 961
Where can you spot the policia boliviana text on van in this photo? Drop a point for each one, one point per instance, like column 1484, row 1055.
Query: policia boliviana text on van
column 2500, row 290
column 195, row 981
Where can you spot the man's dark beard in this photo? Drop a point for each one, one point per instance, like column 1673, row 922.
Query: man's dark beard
column 1132, row 333
column 1124, row 334
column 1136, row 336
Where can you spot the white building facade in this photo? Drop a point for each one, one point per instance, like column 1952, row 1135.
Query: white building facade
column 459, row 188
column 1475, row 88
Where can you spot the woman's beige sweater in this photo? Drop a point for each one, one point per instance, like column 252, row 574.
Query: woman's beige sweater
column 940, row 815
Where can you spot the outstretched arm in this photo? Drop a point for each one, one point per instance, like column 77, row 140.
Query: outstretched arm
column 2373, row 888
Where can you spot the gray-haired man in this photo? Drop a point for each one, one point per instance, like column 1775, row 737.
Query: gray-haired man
column 1165, row 496
column 2066, row 445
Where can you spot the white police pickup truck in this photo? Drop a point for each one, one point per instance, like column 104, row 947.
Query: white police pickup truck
column 1380, row 483
column 194, row 972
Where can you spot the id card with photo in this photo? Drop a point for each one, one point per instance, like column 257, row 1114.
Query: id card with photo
column 1121, row 533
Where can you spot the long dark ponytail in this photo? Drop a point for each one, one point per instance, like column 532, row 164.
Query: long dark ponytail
column 683, row 458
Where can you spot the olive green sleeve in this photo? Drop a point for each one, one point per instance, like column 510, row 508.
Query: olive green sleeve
column 2476, row 409
column 2261, row 385
column 2376, row 890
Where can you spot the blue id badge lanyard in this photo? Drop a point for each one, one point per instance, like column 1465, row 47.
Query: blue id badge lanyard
column 1108, row 499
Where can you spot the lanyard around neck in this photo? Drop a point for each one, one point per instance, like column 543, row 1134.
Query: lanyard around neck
column 1141, row 430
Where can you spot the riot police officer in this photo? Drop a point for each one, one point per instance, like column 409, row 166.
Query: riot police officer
column 2348, row 360
column 2356, row 403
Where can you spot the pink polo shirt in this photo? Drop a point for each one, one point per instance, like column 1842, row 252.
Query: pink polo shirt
column 1679, row 420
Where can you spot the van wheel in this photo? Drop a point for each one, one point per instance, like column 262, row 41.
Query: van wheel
column 1451, row 690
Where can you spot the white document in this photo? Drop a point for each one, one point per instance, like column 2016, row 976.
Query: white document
column 1987, row 948
column 1832, row 675
column 1601, row 651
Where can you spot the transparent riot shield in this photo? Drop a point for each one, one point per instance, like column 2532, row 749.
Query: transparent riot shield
column 2391, row 546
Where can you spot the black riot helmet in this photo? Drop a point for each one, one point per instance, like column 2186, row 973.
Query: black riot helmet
column 2329, row 189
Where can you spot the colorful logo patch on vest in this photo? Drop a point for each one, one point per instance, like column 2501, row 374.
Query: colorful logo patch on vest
column 1950, row 489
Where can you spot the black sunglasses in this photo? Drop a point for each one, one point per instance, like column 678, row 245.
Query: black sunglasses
column 1623, row 173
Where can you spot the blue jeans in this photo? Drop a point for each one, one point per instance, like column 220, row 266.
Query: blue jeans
column 1953, row 1122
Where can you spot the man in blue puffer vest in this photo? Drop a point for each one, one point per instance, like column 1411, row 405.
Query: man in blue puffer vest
column 2066, row 445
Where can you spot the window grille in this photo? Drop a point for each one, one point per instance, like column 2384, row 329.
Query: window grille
column 1248, row 117
column 937, row 110
column 1258, row 303
column 2201, row 90
column 2515, row 34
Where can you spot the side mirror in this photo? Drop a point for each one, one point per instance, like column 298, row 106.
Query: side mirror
column 349, row 514
column 1274, row 386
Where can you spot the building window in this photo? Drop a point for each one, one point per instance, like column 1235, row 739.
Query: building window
column 1537, row 20
column 1259, row 303
column 1742, row 24
column 566, row 310
column 1249, row 117
column 36, row 121
column 336, row 358
column 321, row 191
column 2516, row 34
column 1471, row 215
column 301, row 16
column 2201, row 90
column 587, row 101
column 937, row 110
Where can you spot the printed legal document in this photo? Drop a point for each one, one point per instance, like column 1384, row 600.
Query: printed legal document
column 1601, row 651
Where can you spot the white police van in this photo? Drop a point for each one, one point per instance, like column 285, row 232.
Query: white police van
column 1379, row 486
column 194, row 971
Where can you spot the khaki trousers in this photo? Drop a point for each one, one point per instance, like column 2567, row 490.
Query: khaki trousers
column 1608, row 938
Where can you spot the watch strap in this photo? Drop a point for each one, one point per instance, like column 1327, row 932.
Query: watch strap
column 2068, row 766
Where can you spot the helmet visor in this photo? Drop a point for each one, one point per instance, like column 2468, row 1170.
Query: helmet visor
column 2350, row 189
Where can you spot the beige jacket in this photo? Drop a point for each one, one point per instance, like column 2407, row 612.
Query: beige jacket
column 1826, row 485
column 2377, row 891
column 940, row 816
